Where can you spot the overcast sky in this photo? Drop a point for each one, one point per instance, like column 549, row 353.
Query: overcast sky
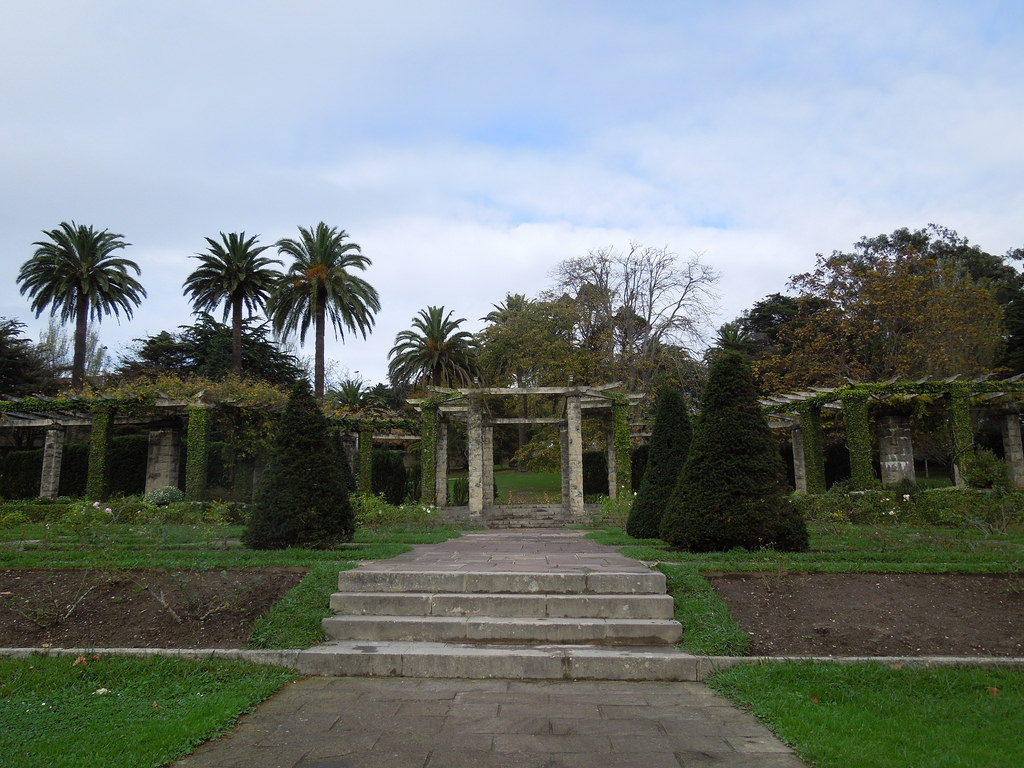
column 470, row 146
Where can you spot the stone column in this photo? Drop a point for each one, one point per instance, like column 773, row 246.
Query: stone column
column 895, row 449
column 441, row 464
column 475, row 440
column 364, row 477
column 488, row 466
column 563, row 456
column 799, row 460
column 613, row 480
column 163, row 460
column 53, row 454
column 574, row 429
column 858, row 441
column 1012, row 451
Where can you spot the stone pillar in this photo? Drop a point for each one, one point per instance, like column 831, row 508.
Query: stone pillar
column 441, row 464
column 574, row 429
column 475, row 440
column 1012, row 451
column 799, row 460
column 97, row 483
column 488, row 468
column 962, row 433
column 563, row 455
column 613, row 484
column 163, row 460
column 814, row 451
column 53, row 454
column 895, row 449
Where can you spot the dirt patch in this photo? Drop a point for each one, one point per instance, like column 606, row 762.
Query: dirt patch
column 138, row 608
column 870, row 614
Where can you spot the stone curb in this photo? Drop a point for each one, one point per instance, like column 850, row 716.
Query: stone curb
column 704, row 665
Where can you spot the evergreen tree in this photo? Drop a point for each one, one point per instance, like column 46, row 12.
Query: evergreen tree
column 732, row 492
column 670, row 443
column 301, row 499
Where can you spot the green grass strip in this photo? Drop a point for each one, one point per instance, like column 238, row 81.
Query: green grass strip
column 877, row 716
column 53, row 713
column 294, row 621
column 708, row 627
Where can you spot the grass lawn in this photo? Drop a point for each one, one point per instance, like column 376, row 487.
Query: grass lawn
column 121, row 712
column 876, row 716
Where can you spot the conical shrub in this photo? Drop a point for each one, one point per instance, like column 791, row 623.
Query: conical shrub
column 301, row 499
column 732, row 490
column 670, row 443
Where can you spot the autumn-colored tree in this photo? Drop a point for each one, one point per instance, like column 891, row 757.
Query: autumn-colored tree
column 894, row 307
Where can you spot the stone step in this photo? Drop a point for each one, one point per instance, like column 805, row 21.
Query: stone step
column 504, row 605
column 503, row 582
column 512, row 662
column 486, row 629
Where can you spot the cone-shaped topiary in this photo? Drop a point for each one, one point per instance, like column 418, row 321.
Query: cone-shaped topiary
column 670, row 442
column 301, row 499
column 731, row 492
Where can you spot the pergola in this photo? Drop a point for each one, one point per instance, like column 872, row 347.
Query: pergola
column 473, row 405
column 893, row 403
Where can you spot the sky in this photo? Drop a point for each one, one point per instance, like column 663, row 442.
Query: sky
column 469, row 147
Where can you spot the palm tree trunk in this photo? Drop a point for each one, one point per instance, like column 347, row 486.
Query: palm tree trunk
column 236, row 336
column 81, row 329
column 318, row 355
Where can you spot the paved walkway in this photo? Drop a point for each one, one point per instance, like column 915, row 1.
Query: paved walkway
column 406, row 723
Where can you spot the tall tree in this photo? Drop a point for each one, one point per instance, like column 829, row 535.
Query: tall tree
column 898, row 305
column 731, row 492
column 319, row 286
column 433, row 351
column 20, row 368
column 234, row 272
column 670, row 443
column 631, row 305
column 205, row 349
column 77, row 274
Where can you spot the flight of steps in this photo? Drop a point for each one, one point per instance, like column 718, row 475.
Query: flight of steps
column 527, row 516
column 485, row 624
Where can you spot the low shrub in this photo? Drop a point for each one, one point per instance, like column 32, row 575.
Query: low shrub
column 161, row 497
column 374, row 512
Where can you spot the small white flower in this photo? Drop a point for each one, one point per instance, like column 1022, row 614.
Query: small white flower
column 100, row 691
column 95, row 505
column 906, row 497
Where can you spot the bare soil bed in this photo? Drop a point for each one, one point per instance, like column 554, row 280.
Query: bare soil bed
column 137, row 609
column 872, row 614
column 821, row 613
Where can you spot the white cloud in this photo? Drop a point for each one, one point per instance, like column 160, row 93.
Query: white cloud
column 468, row 147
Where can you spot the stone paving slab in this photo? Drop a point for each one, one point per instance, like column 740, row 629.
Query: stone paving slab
column 524, row 550
column 405, row 723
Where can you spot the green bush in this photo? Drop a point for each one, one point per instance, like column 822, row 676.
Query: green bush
column 983, row 469
column 301, row 498
column 639, row 464
column 458, row 492
column 19, row 474
column 732, row 490
column 389, row 475
column 161, row 497
column 375, row 512
column 670, row 443
column 595, row 473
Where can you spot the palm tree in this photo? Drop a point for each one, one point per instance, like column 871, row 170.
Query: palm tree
column 433, row 351
column 76, row 274
column 235, row 273
column 319, row 285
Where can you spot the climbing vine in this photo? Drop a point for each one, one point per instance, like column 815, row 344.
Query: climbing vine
column 198, row 455
column 858, row 439
column 428, row 454
column 97, row 484
column 960, row 426
column 814, row 453
column 623, row 448
column 365, row 458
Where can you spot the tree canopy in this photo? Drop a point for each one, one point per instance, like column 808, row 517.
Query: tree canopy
column 232, row 272
column 320, row 286
column 433, row 351
column 77, row 274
